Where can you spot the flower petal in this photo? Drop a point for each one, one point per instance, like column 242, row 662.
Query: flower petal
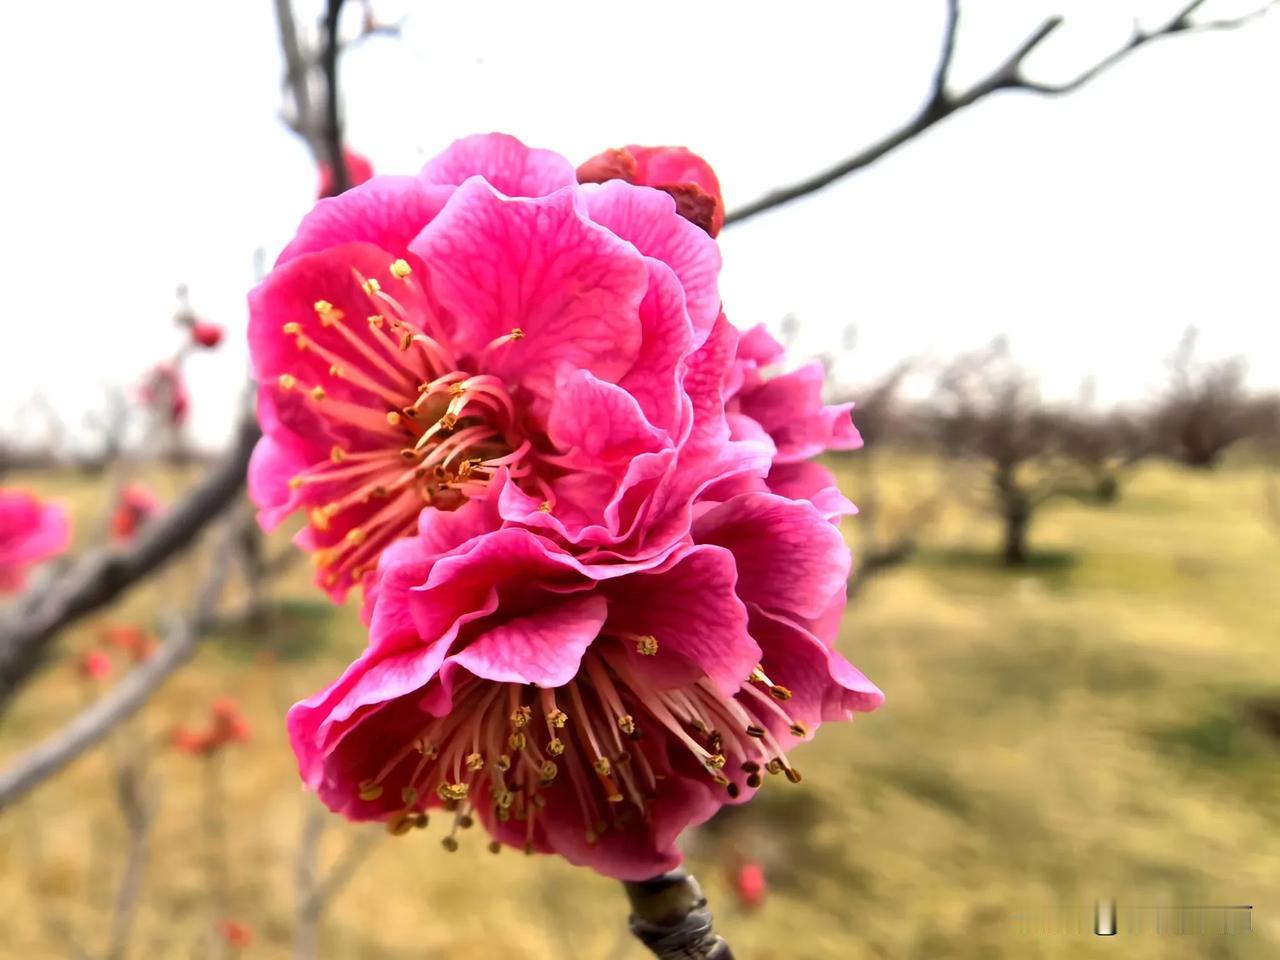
column 505, row 162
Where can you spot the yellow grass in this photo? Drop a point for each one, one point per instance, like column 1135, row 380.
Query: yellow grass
column 1078, row 729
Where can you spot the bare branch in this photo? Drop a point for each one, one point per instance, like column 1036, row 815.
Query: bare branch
column 938, row 95
column 1180, row 24
column 296, row 78
column 98, row 578
column 1007, row 76
column 92, row 725
column 333, row 115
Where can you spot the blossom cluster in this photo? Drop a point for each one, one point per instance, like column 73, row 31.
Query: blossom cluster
column 601, row 574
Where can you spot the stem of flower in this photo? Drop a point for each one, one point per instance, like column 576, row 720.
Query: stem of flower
column 669, row 915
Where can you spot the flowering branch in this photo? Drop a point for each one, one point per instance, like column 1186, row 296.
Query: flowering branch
column 1007, row 76
column 669, row 915
column 92, row 725
column 100, row 577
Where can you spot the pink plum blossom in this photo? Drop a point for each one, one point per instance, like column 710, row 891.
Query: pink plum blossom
column 675, row 170
column 421, row 334
column 786, row 411
column 31, row 531
column 589, row 710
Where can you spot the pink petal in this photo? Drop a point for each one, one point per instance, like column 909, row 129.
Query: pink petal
column 789, row 558
column 505, row 162
column 691, row 609
column 667, row 335
column 543, row 647
column 597, row 424
column 387, row 212
column 648, row 219
column 536, row 265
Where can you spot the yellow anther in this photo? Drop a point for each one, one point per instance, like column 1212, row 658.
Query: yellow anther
column 408, row 796
column 319, row 519
column 792, row 774
column 323, row 306
column 452, row 791
column 301, row 343
column 475, row 762
column 517, row 741
column 370, row 286
column 799, row 730
column 355, row 536
column 627, row 723
column 774, row 765
column 336, row 453
column 291, row 328
column 335, row 371
column 400, row 269
column 647, row 645
column 288, row 381
column 555, row 746
column 398, row 824
column 520, row 716
column 457, row 389
column 317, row 393
column 780, row 692
column 406, row 340
column 449, row 843
column 716, row 761
column 557, row 718
column 370, row 790
column 504, row 799
column 448, row 421
column 503, row 763
column 517, row 333
column 393, row 418
column 545, row 506
column 602, row 766
column 495, row 846
column 376, row 320
column 549, row 771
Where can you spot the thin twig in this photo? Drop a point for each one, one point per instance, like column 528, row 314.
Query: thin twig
column 1007, row 76
column 137, row 811
column 96, row 721
column 100, row 577
column 314, row 896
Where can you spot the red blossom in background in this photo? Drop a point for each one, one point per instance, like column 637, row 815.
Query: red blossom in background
column 674, row 170
column 749, row 885
column 236, row 935
column 164, row 392
column 134, row 507
column 137, row 643
column 359, row 170
column 205, row 334
column 31, row 531
column 227, row 725
column 95, row 665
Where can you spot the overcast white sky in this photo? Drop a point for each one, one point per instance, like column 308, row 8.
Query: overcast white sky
column 143, row 149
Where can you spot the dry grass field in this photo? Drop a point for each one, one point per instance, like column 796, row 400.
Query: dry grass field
column 1104, row 722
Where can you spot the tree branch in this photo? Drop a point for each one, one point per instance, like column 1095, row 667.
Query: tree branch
column 92, row 725
column 333, row 115
column 669, row 915
column 1007, row 76
column 100, row 577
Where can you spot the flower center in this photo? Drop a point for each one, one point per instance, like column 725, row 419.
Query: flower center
column 431, row 431
column 599, row 744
